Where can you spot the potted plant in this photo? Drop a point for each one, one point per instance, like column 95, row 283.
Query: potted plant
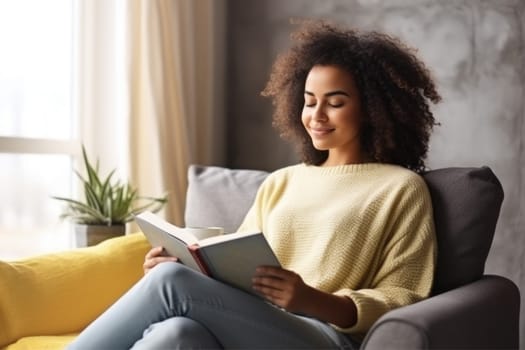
column 107, row 206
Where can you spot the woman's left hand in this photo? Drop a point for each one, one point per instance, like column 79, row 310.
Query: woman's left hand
column 282, row 287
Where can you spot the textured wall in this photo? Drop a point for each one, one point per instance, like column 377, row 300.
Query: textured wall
column 476, row 51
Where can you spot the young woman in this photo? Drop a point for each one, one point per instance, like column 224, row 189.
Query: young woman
column 351, row 225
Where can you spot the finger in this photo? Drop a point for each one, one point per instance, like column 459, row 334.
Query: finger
column 270, row 294
column 155, row 261
column 268, row 291
column 274, row 271
column 151, row 263
column 266, row 280
column 272, row 299
column 265, row 291
column 165, row 259
column 155, row 251
column 148, row 264
column 269, row 283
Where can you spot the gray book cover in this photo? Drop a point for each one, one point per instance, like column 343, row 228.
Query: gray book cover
column 234, row 261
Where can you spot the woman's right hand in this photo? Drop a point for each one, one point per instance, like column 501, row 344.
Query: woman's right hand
column 154, row 257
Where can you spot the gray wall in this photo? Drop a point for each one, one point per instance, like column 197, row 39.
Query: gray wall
column 476, row 51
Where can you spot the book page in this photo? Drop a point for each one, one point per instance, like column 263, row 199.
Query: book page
column 224, row 238
column 165, row 226
column 160, row 234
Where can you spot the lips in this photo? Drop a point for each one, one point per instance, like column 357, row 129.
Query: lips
column 321, row 131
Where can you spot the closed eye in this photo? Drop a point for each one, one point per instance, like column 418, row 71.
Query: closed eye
column 333, row 105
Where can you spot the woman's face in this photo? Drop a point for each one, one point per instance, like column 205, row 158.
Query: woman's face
column 332, row 113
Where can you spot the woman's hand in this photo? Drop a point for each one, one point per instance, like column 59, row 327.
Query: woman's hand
column 283, row 288
column 286, row 289
column 154, row 257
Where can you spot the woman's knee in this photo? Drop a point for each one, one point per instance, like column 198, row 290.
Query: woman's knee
column 169, row 271
column 177, row 333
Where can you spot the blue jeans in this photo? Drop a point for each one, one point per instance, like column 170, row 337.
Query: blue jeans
column 174, row 307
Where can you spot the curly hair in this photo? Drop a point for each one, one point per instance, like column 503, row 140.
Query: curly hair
column 395, row 90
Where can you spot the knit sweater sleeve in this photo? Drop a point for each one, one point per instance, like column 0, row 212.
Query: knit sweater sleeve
column 405, row 274
column 267, row 195
column 252, row 221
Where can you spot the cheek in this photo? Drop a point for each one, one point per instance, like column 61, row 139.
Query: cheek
column 305, row 118
column 352, row 117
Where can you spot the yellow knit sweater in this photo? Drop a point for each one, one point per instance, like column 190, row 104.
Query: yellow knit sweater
column 363, row 231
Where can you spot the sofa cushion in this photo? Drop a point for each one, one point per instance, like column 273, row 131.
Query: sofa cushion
column 219, row 196
column 62, row 293
column 466, row 204
column 43, row 342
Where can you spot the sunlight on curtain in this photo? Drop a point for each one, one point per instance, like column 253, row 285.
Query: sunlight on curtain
column 101, row 101
column 176, row 109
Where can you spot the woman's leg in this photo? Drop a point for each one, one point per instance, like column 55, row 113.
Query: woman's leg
column 236, row 318
column 177, row 333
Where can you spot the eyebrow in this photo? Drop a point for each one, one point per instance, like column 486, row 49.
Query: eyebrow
column 328, row 94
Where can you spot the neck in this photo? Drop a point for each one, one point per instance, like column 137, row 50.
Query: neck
column 335, row 159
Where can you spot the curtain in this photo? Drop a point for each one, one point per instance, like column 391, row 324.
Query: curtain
column 175, row 108
column 100, row 82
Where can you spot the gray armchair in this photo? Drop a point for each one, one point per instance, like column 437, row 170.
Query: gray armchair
column 467, row 310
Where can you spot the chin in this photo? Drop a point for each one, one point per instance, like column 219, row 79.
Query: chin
column 320, row 147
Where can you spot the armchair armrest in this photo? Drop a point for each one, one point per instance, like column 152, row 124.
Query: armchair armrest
column 480, row 315
column 61, row 293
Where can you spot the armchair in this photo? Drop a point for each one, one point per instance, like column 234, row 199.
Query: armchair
column 467, row 310
column 45, row 301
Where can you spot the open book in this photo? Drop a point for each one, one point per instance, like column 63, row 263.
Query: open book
column 231, row 258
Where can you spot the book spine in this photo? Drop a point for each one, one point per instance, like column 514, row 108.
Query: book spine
column 195, row 252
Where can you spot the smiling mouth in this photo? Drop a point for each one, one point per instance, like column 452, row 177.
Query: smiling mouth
column 321, row 132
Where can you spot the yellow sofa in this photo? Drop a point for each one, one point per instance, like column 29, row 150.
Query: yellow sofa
column 46, row 300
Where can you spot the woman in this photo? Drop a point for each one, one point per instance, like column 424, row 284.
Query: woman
column 352, row 225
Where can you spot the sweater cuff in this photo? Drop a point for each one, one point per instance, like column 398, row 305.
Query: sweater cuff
column 368, row 311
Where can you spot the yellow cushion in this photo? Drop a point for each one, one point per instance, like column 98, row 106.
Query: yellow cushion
column 46, row 342
column 61, row 293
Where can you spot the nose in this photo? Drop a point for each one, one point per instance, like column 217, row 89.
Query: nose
column 318, row 114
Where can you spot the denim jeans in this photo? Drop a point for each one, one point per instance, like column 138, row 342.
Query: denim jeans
column 174, row 307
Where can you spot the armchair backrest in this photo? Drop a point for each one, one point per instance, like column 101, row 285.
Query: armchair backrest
column 466, row 204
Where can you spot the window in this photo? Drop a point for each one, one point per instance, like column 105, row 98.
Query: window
column 37, row 124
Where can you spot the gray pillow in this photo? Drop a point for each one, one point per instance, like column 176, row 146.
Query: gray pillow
column 466, row 204
column 219, row 196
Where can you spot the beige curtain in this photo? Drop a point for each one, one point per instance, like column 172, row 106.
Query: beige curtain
column 99, row 79
column 175, row 99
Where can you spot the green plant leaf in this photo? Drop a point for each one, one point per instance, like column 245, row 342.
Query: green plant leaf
column 106, row 201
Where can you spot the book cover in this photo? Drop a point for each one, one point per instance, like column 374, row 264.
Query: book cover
column 230, row 258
